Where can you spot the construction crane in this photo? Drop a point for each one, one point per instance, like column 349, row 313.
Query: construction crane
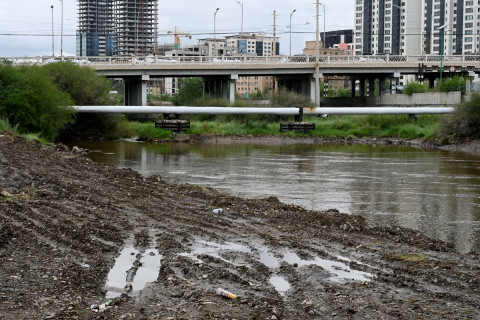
column 177, row 36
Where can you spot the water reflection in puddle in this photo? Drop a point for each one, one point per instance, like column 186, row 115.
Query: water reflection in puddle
column 117, row 279
column 280, row 284
column 339, row 271
column 201, row 247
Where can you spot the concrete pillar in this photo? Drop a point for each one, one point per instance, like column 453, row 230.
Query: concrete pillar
column 371, row 87
column 136, row 91
column 362, row 87
column 232, row 90
column 311, row 90
column 382, row 86
column 352, row 87
column 218, row 89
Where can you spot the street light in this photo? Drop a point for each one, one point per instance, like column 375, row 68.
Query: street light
column 53, row 41
column 441, row 49
column 61, row 33
column 324, row 33
column 291, row 14
column 317, row 58
column 215, row 32
column 241, row 4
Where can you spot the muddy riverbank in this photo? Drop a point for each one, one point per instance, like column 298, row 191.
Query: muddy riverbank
column 74, row 233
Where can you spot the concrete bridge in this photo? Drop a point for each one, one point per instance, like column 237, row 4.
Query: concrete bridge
column 295, row 73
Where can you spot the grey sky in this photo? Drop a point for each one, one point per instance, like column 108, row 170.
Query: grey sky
column 26, row 25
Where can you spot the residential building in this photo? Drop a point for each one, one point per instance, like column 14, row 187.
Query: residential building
column 417, row 27
column 310, row 50
column 258, row 44
column 246, row 85
column 117, row 27
column 335, row 37
column 95, row 34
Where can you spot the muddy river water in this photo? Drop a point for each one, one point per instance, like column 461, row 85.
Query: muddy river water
column 435, row 192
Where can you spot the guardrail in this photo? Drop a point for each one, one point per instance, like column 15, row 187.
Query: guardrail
column 381, row 59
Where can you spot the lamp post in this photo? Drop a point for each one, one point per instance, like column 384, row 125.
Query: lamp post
column 442, row 46
column 61, row 33
column 317, row 58
column 241, row 5
column 324, row 32
column 53, row 41
column 291, row 14
column 215, row 32
column 399, row 31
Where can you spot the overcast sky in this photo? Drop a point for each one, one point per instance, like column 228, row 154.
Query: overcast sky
column 26, row 25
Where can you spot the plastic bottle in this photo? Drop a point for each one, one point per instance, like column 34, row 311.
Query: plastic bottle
column 217, row 211
column 225, row 293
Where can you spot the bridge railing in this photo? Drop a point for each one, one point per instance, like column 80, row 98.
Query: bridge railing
column 302, row 59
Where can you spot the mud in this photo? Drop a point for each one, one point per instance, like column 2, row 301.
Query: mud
column 74, row 233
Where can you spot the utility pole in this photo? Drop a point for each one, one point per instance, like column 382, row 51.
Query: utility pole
column 53, row 39
column 291, row 14
column 241, row 4
column 61, row 34
column 274, row 46
column 317, row 58
column 215, row 33
column 156, row 30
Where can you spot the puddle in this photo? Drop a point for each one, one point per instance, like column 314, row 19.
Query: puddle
column 339, row 270
column 117, row 278
column 148, row 272
column 268, row 259
column 280, row 284
column 201, row 247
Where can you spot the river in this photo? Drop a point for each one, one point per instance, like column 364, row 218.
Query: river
column 435, row 192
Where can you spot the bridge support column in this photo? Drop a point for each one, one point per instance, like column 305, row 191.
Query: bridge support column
column 362, row 87
column 136, row 91
column 232, row 86
column 382, row 86
column 371, row 87
column 311, row 89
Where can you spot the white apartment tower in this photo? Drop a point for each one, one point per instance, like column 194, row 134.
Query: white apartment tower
column 414, row 27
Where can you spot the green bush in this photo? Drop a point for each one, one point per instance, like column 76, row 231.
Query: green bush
column 415, row 87
column 465, row 121
column 84, row 86
column 30, row 100
column 455, row 83
column 190, row 90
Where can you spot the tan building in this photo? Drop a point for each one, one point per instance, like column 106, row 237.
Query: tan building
column 247, row 85
column 310, row 50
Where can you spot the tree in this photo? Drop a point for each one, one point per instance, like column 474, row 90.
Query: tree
column 82, row 83
column 190, row 89
column 29, row 99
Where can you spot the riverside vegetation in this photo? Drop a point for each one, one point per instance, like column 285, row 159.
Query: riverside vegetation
column 35, row 100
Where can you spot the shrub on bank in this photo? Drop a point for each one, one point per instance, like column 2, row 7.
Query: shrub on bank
column 465, row 121
column 415, row 87
column 30, row 100
column 455, row 83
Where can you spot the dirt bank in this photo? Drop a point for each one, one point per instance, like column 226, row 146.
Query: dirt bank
column 66, row 223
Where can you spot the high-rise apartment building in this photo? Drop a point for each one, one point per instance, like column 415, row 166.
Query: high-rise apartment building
column 95, row 36
column 116, row 27
column 415, row 27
